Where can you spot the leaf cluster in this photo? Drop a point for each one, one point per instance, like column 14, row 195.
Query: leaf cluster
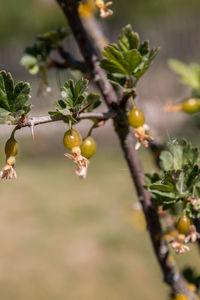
column 179, row 180
column 13, row 99
column 126, row 61
column 189, row 74
column 75, row 99
column 36, row 56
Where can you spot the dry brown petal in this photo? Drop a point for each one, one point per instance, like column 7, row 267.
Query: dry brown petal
column 8, row 172
column 81, row 164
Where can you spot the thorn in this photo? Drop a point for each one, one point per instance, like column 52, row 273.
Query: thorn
column 32, row 129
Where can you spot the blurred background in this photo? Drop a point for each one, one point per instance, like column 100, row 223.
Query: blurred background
column 60, row 237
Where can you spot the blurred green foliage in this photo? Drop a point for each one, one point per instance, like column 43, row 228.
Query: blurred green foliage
column 24, row 18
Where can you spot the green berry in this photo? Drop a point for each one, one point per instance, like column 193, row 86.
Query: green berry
column 190, row 105
column 88, row 147
column 136, row 118
column 11, row 147
column 71, row 139
column 183, row 224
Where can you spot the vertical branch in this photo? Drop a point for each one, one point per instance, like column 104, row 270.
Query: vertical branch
column 88, row 51
column 168, row 267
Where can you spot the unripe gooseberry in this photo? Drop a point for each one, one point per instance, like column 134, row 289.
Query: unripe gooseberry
column 11, row 147
column 183, row 224
column 71, row 139
column 190, row 105
column 88, row 147
column 136, row 117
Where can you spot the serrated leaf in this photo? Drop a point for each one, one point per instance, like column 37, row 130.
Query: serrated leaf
column 189, row 73
column 113, row 67
column 128, row 39
column 126, row 61
column 21, row 94
column 146, row 63
column 133, row 59
column 166, row 160
column 75, row 98
column 80, row 88
column 13, row 99
column 144, row 48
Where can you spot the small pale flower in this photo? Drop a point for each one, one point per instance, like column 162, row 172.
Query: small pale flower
column 192, row 236
column 195, row 203
column 179, row 245
column 105, row 12
column 143, row 136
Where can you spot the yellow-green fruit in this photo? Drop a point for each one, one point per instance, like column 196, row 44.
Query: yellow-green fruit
column 88, row 147
column 183, row 224
column 136, row 118
column 11, row 147
column 191, row 105
column 71, row 139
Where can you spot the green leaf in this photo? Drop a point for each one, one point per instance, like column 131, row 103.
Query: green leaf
column 126, row 61
column 133, row 59
column 189, row 73
column 13, row 99
column 166, row 160
column 113, row 67
column 75, row 98
column 21, row 95
column 179, row 179
column 146, row 63
column 128, row 39
column 144, row 48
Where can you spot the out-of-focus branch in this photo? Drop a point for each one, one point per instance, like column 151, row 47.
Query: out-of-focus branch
column 69, row 62
column 170, row 273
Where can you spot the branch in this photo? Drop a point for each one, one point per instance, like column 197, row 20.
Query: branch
column 70, row 61
column 88, row 51
column 33, row 121
column 170, row 273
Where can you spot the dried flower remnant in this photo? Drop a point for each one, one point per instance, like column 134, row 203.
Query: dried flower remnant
column 179, row 244
column 8, row 171
column 172, row 107
column 105, row 12
column 143, row 135
column 80, row 161
column 193, row 235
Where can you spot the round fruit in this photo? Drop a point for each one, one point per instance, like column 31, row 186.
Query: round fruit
column 136, row 118
column 71, row 139
column 183, row 224
column 11, row 147
column 88, row 147
column 191, row 105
